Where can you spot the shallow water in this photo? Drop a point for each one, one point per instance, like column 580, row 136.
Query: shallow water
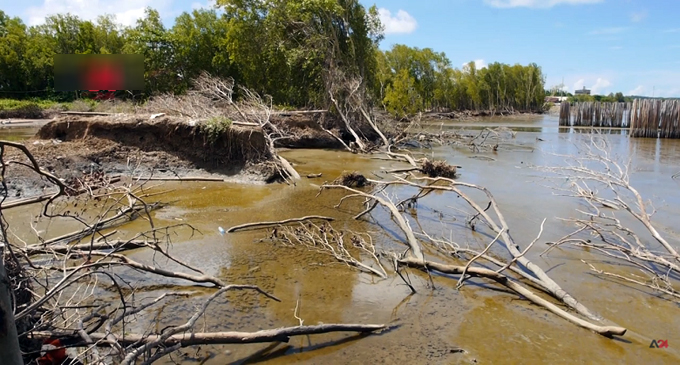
column 492, row 326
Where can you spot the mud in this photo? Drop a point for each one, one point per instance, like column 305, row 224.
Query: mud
column 432, row 326
column 72, row 146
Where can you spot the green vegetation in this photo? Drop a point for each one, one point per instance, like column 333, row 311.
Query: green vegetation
column 13, row 104
column 215, row 127
column 412, row 79
column 297, row 51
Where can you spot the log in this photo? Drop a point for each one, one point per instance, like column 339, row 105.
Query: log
column 175, row 178
column 40, row 198
column 277, row 223
column 105, row 223
column 518, row 288
column 87, row 113
column 26, row 201
column 551, row 286
column 218, row 338
column 301, row 112
column 63, row 249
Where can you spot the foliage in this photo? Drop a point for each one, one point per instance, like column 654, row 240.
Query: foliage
column 214, row 128
column 13, row 104
column 292, row 50
column 413, row 79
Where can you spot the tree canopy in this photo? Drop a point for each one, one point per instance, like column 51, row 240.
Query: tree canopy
column 294, row 50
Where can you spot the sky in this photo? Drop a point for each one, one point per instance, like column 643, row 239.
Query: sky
column 631, row 46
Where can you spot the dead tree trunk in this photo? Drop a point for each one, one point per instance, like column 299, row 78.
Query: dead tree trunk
column 9, row 342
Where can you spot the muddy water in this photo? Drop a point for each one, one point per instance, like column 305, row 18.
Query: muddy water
column 490, row 325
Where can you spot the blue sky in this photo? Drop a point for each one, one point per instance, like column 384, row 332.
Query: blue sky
column 632, row 46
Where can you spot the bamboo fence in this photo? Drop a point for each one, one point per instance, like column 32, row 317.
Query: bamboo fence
column 654, row 118
column 595, row 114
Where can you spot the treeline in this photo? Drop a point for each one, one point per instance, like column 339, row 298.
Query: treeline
column 297, row 51
column 411, row 80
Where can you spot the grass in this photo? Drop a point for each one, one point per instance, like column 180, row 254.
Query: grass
column 12, row 104
column 42, row 108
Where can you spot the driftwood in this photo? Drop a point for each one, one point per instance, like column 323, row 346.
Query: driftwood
column 26, row 201
column 41, row 198
column 117, row 245
column 183, row 178
column 222, row 338
column 517, row 288
column 277, row 223
column 603, row 184
column 87, row 113
column 500, row 228
column 67, row 276
column 300, row 112
column 518, row 264
column 314, row 176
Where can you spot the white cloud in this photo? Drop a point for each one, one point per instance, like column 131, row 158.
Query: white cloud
column 640, row 91
column 638, row 16
column 210, row 4
column 598, row 88
column 536, row 3
column 600, row 85
column 126, row 11
column 608, row 31
column 479, row 64
column 401, row 23
column 578, row 85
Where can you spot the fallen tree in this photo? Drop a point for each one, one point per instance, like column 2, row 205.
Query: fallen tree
column 524, row 271
column 57, row 283
column 602, row 182
column 212, row 97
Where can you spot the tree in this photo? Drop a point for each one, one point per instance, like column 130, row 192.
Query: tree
column 13, row 41
column 150, row 38
column 198, row 41
column 402, row 98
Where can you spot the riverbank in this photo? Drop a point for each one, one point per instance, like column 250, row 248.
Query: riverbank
column 76, row 148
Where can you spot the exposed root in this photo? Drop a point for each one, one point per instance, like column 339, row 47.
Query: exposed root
column 352, row 180
column 438, row 169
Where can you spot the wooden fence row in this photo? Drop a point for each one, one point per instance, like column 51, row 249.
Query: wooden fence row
column 655, row 118
column 651, row 118
column 595, row 114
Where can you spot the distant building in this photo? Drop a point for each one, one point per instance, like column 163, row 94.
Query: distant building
column 583, row 91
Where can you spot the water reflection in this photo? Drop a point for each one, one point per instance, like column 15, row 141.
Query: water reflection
column 17, row 134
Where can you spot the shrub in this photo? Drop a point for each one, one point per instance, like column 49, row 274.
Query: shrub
column 82, row 105
column 214, row 127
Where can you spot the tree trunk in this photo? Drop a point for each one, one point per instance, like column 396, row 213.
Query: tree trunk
column 9, row 342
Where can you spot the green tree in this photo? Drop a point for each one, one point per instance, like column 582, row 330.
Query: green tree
column 199, row 44
column 13, row 42
column 402, row 97
column 150, row 38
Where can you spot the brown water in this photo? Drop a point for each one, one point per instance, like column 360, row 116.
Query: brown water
column 492, row 326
